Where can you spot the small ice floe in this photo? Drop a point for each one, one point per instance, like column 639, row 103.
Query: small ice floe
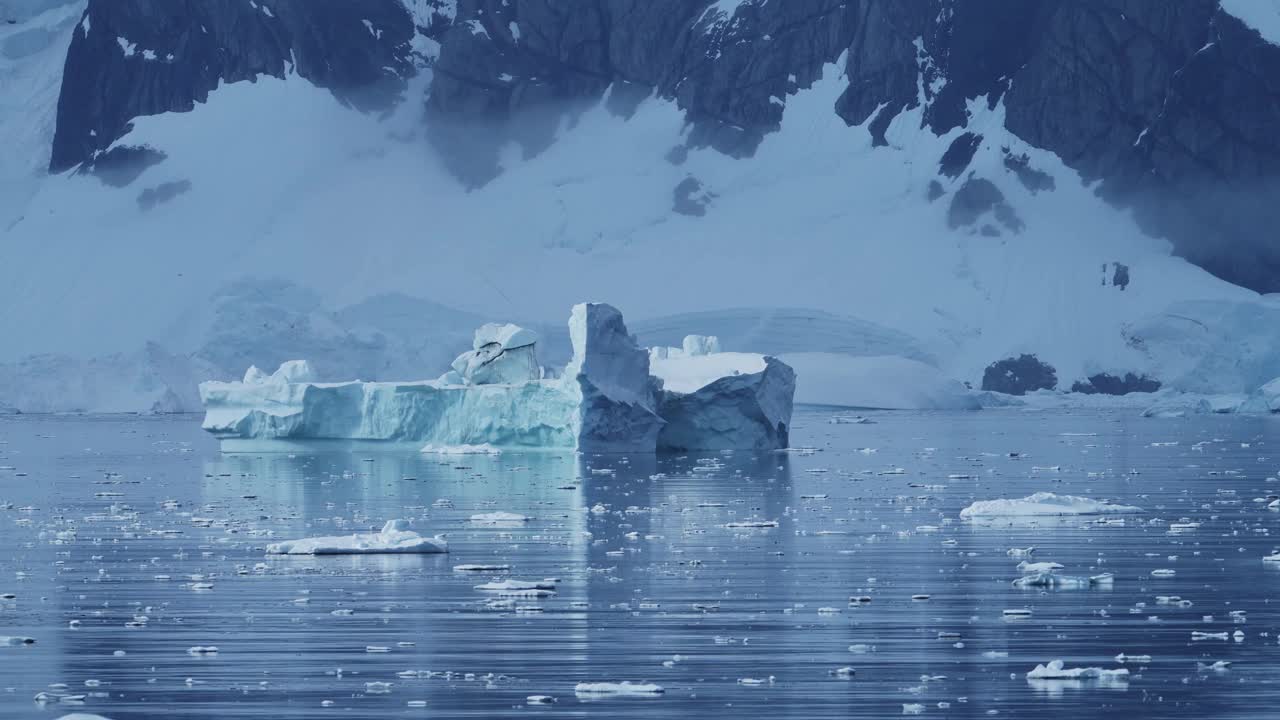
column 481, row 568
column 1063, row 582
column 202, row 650
column 756, row 681
column 1219, row 666
column 1033, row 568
column 1272, row 558
column 617, row 689
column 499, row 518
column 1042, row 505
column 1197, row 635
column 461, row 449
column 395, row 537
column 752, row 524
column 83, row 716
column 912, row 708
column 520, row 588
column 539, row 700
column 1163, row 573
column 11, row 640
column 845, row 672
column 1016, row 613
column 1135, row 659
column 377, row 688
column 1057, row 670
column 1020, row 552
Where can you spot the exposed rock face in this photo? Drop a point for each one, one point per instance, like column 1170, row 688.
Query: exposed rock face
column 1108, row 384
column 131, row 58
column 1019, row 376
column 1170, row 104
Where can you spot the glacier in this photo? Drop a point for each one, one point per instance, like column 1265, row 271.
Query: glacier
column 612, row 396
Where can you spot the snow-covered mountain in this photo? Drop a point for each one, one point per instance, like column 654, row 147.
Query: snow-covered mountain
column 192, row 186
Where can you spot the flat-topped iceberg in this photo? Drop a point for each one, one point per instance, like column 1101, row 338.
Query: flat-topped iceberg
column 613, row 396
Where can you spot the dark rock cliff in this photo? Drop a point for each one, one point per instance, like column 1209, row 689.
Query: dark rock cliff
column 1172, row 106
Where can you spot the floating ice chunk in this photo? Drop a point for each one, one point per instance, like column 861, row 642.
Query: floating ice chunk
column 617, row 689
column 395, row 537
column 1064, row 582
column 1218, row 666
column 1272, row 558
column 912, row 708
column 752, row 524
column 83, row 716
column 202, row 650
column 1137, row 659
column 516, row 585
column 1020, row 552
column 1043, row 504
column 1057, row 670
column 1035, row 568
column 539, row 700
column 481, row 568
column 11, row 640
column 499, row 517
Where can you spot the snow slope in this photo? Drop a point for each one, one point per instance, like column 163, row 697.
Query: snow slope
column 1261, row 15
column 307, row 214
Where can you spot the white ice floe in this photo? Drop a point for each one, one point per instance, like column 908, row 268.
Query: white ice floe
column 517, row 585
column 1035, row 568
column 617, row 689
column 1043, row 504
column 752, row 524
column 11, row 640
column 395, row 537
column 1057, row 670
column 1063, row 582
column 499, row 517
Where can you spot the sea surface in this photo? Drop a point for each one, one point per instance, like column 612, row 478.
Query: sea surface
column 129, row 544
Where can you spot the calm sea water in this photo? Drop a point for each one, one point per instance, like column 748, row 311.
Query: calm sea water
column 127, row 541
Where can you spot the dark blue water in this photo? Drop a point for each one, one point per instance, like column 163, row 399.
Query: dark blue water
column 114, row 524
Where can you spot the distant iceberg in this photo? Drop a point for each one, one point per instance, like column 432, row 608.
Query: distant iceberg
column 613, row 396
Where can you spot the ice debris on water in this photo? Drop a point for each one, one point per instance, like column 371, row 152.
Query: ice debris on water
column 625, row 688
column 394, row 538
column 1057, row 670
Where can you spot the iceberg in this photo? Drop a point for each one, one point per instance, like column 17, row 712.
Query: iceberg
column 613, row 396
column 394, row 538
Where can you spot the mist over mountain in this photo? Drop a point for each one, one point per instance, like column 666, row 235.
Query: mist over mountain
column 192, row 186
